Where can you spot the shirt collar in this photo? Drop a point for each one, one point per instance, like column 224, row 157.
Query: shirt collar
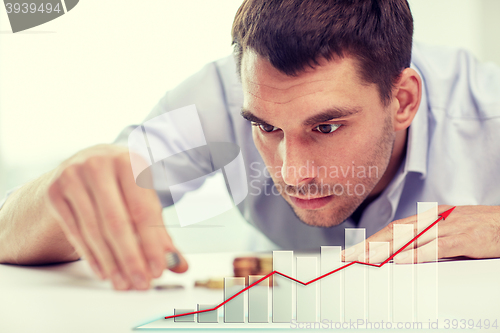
column 385, row 206
column 416, row 150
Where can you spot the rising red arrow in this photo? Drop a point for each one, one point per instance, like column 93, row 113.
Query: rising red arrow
column 442, row 216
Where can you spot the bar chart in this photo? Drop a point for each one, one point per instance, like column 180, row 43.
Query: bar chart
column 331, row 286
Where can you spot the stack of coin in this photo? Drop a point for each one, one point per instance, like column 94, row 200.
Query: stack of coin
column 245, row 266
column 213, row 283
column 266, row 267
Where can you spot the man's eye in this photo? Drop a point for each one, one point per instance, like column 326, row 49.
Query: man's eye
column 327, row 128
column 267, row 128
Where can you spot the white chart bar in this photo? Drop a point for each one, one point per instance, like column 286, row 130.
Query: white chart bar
column 282, row 287
column 355, row 278
column 331, row 286
column 258, row 300
column 378, row 282
column 209, row 316
column 234, row 310
column 403, row 275
column 186, row 318
column 427, row 274
column 307, row 270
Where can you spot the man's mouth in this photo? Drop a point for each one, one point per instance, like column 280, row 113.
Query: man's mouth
column 310, row 203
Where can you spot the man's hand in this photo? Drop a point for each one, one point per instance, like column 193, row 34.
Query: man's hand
column 471, row 231
column 112, row 222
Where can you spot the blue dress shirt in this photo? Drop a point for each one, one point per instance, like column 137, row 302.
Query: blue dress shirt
column 452, row 156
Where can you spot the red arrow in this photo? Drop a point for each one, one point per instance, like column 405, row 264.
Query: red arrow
column 442, row 216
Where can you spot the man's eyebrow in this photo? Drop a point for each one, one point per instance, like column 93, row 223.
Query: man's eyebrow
column 251, row 117
column 327, row 115
column 331, row 114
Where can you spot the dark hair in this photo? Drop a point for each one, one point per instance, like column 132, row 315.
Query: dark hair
column 293, row 34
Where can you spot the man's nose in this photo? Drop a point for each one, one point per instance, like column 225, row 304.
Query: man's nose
column 297, row 164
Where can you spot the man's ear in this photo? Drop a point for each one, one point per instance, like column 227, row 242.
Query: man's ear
column 406, row 98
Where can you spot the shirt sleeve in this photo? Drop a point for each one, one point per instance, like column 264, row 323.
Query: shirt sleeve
column 206, row 91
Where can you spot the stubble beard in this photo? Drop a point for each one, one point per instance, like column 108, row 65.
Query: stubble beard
column 344, row 205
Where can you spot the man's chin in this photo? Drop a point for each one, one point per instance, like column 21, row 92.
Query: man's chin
column 329, row 216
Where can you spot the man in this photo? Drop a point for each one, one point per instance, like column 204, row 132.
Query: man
column 349, row 133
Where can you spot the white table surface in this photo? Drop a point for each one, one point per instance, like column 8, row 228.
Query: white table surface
column 67, row 298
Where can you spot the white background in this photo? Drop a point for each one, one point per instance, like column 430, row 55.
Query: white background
column 78, row 80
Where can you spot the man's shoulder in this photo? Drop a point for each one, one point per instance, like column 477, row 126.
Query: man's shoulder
column 454, row 141
column 456, row 83
column 214, row 85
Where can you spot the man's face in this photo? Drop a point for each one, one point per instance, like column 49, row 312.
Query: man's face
column 324, row 135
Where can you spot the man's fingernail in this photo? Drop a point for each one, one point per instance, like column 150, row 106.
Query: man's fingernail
column 362, row 257
column 402, row 256
column 372, row 257
column 155, row 268
column 139, row 281
column 118, row 281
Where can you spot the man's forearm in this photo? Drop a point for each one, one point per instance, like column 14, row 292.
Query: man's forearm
column 29, row 235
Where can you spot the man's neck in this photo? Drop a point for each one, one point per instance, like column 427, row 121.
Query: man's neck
column 397, row 157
